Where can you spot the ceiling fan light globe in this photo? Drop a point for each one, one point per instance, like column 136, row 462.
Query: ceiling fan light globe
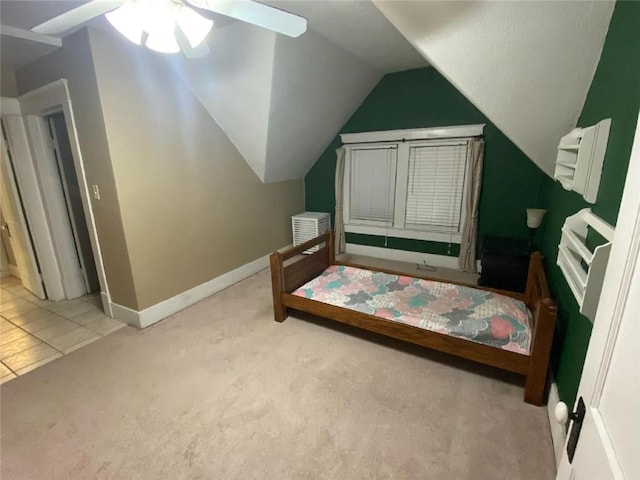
column 128, row 20
column 160, row 25
column 163, row 43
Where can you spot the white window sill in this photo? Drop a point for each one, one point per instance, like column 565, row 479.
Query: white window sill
column 444, row 237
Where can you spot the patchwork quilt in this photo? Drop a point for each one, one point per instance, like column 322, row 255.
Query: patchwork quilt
column 469, row 313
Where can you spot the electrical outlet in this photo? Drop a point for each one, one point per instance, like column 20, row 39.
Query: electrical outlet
column 96, row 192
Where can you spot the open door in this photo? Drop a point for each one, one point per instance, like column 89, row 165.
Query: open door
column 16, row 226
column 604, row 438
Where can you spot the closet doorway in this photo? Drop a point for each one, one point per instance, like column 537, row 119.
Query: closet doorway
column 62, row 167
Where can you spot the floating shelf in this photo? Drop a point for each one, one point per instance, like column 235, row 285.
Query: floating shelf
column 583, row 268
column 580, row 158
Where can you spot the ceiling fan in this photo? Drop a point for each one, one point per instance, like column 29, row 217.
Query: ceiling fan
column 170, row 26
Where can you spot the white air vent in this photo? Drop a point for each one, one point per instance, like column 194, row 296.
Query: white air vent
column 309, row 225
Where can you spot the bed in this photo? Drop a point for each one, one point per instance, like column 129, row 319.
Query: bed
column 508, row 330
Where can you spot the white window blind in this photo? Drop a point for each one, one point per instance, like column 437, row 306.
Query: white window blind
column 373, row 184
column 435, row 187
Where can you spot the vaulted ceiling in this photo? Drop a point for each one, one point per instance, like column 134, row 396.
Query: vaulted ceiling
column 526, row 65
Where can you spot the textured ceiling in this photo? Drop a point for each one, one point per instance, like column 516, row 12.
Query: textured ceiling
column 359, row 28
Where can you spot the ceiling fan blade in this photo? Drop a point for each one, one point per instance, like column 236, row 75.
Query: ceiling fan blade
column 76, row 17
column 255, row 13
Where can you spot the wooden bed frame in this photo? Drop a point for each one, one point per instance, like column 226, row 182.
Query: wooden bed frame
column 290, row 270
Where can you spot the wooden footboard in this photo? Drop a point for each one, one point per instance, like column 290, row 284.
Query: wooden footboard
column 285, row 278
column 290, row 270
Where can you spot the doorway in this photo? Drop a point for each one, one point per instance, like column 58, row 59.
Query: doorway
column 57, row 204
column 54, row 181
column 62, row 157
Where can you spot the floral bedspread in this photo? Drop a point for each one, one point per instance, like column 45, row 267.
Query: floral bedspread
column 469, row 313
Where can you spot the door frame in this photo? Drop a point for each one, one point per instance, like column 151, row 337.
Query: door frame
column 53, row 98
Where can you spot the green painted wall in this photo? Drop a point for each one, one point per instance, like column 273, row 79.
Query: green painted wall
column 615, row 94
column 423, row 98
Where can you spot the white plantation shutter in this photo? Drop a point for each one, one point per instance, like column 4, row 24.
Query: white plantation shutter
column 373, row 184
column 435, row 187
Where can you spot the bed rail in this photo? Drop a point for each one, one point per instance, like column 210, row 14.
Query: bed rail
column 544, row 313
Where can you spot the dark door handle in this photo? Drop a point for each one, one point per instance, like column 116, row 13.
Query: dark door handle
column 576, row 426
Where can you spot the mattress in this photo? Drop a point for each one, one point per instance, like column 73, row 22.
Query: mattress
column 463, row 312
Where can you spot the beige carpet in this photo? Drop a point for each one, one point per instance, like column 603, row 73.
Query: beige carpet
column 220, row 391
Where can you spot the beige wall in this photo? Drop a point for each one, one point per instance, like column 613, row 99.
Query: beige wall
column 8, row 85
column 192, row 209
column 74, row 62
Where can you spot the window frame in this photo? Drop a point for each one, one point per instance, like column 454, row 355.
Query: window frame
column 398, row 228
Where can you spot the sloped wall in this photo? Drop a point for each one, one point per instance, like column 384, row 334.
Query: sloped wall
column 614, row 93
column 233, row 83
column 316, row 87
column 278, row 99
column 526, row 65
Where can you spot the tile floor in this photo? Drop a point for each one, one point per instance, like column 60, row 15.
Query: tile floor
column 34, row 332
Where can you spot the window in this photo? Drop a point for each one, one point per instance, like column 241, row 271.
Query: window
column 406, row 189
column 373, row 184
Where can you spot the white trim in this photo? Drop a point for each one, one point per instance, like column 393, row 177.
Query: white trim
column 414, row 134
column 558, row 432
column 5, row 273
column 106, row 304
column 405, row 256
column 125, row 314
column 9, row 106
column 162, row 310
column 30, row 35
column 53, row 98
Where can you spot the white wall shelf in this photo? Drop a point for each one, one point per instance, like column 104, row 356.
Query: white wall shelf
column 580, row 158
column 582, row 267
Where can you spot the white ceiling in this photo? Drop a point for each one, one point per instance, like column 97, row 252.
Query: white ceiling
column 359, row 28
column 356, row 26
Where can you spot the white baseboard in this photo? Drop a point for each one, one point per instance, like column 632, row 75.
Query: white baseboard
column 13, row 270
column 164, row 309
column 5, row 273
column 106, row 304
column 405, row 256
column 558, row 433
column 125, row 314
